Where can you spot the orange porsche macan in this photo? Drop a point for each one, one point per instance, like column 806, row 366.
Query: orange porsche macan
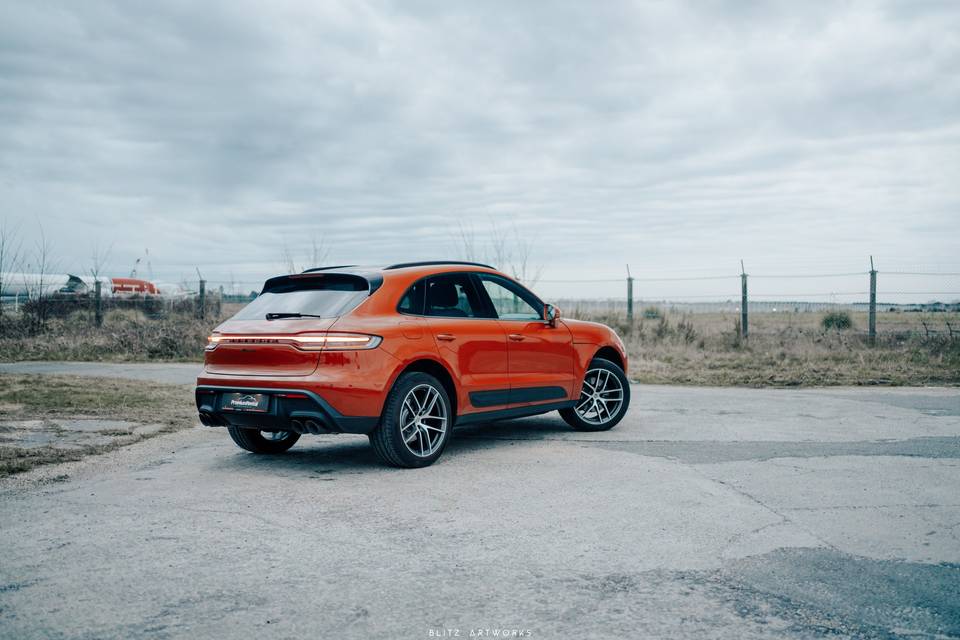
column 404, row 354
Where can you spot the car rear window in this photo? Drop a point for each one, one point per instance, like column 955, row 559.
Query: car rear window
column 327, row 296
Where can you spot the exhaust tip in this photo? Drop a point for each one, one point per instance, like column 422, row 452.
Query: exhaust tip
column 297, row 426
column 313, row 426
column 205, row 420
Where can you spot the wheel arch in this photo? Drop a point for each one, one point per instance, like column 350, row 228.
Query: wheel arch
column 611, row 354
column 435, row 369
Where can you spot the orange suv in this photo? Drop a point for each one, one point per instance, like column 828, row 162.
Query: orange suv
column 404, row 354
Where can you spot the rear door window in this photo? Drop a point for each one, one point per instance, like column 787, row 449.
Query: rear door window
column 452, row 296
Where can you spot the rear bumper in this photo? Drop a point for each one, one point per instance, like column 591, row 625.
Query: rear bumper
column 288, row 410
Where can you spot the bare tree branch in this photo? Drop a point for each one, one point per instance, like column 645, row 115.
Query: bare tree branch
column 42, row 256
column 98, row 258
column 467, row 242
column 315, row 256
column 507, row 250
column 10, row 254
column 286, row 259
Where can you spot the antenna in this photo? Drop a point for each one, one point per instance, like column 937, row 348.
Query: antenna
column 133, row 272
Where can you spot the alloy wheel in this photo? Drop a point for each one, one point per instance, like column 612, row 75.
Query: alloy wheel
column 423, row 420
column 601, row 397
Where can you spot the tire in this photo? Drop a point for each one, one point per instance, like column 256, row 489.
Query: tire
column 254, row 441
column 421, row 441
column 592, row 416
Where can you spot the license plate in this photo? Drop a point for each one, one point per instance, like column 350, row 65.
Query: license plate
column 254, row 402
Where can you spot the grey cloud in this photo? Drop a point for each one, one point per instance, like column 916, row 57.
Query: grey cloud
column 663, row 134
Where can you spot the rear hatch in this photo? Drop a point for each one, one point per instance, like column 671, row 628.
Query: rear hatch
column 261, row 340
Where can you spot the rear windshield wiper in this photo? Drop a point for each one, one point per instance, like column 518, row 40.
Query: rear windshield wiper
column 278, row 316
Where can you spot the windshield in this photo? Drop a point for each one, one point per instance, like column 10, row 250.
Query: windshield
column 326, row 297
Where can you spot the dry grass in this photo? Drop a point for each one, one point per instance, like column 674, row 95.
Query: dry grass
column 127, row 335
column 784, row 349
column 791, row 349
column 49, row 398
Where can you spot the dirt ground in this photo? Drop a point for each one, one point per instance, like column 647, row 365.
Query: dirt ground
column 52, row 419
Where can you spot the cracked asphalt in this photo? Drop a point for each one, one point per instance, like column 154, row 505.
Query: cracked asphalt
column 708, row 513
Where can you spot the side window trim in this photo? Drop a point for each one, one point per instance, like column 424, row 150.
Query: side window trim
column 514, row 287
column 489, row 310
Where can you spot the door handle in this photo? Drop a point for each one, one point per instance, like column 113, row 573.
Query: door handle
column 446, row 337
column 516, row 337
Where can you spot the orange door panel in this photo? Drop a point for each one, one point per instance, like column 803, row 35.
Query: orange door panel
column 542, row 361
column 542, row 358
column 476, row 352
column 474, row 348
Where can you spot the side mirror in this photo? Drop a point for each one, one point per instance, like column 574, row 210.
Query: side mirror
column 551, row 314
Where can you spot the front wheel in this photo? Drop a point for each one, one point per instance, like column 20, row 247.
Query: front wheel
column 263, row 441
column 604, row 398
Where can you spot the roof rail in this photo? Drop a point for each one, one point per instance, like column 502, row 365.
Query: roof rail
column 338, row 266
column 430, row 263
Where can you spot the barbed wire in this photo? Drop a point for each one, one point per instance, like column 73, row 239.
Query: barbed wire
column 920, row 273
column 680, row 278
column 918, row 293
column 579, row 281
column 812, row 275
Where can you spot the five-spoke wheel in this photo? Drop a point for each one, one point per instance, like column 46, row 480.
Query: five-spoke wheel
column 423, row 420
column 416, row 422
column 604, row 398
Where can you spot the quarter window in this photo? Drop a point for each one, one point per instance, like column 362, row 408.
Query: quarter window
column 412, row 301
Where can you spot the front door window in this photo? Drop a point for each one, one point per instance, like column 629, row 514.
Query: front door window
column 510, row 303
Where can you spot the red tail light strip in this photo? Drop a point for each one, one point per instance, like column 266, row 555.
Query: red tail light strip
column 324, row 342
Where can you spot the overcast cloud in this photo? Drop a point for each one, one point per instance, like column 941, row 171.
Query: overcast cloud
column 676, row 137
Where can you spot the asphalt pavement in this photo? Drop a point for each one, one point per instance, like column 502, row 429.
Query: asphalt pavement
column 707, row 513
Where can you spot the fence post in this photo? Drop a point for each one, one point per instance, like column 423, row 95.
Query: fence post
column 630, row 302
column 872, row 321
column 97, row 304
column 202, row 300
column 744, row 316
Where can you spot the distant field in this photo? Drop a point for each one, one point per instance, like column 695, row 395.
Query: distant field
column 790, row 349
column 784, row 349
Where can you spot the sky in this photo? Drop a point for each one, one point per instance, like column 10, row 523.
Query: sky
column 678, row 138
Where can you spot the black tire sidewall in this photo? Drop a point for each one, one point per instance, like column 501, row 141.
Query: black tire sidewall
column 253, row 441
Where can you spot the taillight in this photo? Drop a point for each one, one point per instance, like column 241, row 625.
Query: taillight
column 304, row 342
column 336, row 342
